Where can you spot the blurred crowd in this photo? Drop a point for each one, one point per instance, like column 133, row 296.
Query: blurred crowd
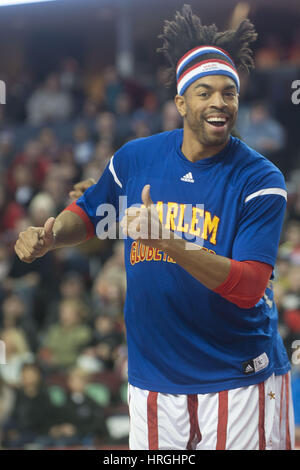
column 61, row 317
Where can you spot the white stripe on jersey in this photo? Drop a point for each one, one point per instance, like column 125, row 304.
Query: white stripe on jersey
column 263, row 192
column 112, row 170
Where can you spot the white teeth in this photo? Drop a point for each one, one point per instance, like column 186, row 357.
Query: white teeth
column 216, row 119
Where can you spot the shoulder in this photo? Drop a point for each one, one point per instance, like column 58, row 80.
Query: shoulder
column 142, row 144
column 143, row 152
column 254, row 171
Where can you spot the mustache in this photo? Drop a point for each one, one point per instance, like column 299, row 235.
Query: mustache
column 218, row 114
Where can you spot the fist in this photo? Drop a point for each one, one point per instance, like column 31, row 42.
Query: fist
column 35, row 242
column 79, row 188
column 143, row 223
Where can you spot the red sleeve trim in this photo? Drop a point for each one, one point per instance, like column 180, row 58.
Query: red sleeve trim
column 246, row 283
column 90, row 230
column 233, row 277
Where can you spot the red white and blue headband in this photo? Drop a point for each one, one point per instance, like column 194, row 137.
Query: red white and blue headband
column 190, row 67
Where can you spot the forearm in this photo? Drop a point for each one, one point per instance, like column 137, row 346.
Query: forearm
column 209, row 269
column 242, row 283
column 69, row 230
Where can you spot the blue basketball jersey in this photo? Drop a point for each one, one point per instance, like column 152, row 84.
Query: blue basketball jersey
column 181, row 336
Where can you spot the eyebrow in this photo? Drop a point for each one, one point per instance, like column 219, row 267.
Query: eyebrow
column 209, row 87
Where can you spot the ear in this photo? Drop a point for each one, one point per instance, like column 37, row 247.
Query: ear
column 180, row 105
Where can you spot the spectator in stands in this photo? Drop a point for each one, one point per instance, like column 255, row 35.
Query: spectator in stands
column 81, row 419
column 113, row 87
column 93, row 169
column 107, row 293
column 24, row 184
column 56, row 184
column 163, row 92
column 32, row 414
column 124, row 111
column 28, row 280
column 115, row 264
column 64, row 340
column 291, row 246
column 70, row 77
column 293, row 208
column 19, row 90
column 31, row 281
column 6, row 149
column 109, row 287
column 103, row 152
column 72, row 287
column 41, row 208
column 261, row 131
column 140, row 128
column 287, row 298
column 49, row 144
column 107, row 336
column 11, row 211
column 17, row 354
column 5, row 263
column 16, row 314
column 171, row 119
column 7, row 399
column 282, row 269
column 121, row 362
column 49, row 103
column 89, row 112
column 149, row 113
column 82, row 144
column 269, row 54
column 66, row 157
column 294, row 50
column 106, row 128
column 33, row 157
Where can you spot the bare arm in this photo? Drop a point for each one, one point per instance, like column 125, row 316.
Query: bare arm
column 210, row 269
column 68, row 229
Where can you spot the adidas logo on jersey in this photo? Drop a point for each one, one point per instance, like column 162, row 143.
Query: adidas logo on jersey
column 188, row 178
column 255, row 365
column 248, row 367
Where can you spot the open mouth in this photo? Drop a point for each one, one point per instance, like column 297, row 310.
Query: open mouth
column 217, row 121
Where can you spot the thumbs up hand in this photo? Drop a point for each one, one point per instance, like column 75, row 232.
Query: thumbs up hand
column 146, row 198
column 35, row 242
column 142, row 223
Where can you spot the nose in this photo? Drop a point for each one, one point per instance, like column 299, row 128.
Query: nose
column 217, row 100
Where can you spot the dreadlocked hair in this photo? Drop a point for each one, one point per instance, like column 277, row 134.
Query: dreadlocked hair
column 186, row 32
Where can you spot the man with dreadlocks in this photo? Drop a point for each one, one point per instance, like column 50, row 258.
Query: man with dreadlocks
column 206, row 366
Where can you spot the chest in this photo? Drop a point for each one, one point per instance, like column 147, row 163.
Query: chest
column 198, row 203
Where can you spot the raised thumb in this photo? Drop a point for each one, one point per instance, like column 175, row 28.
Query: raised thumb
column 146, row 198
column 48, row 227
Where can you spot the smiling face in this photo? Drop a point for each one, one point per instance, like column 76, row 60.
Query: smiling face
column 209, row 108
